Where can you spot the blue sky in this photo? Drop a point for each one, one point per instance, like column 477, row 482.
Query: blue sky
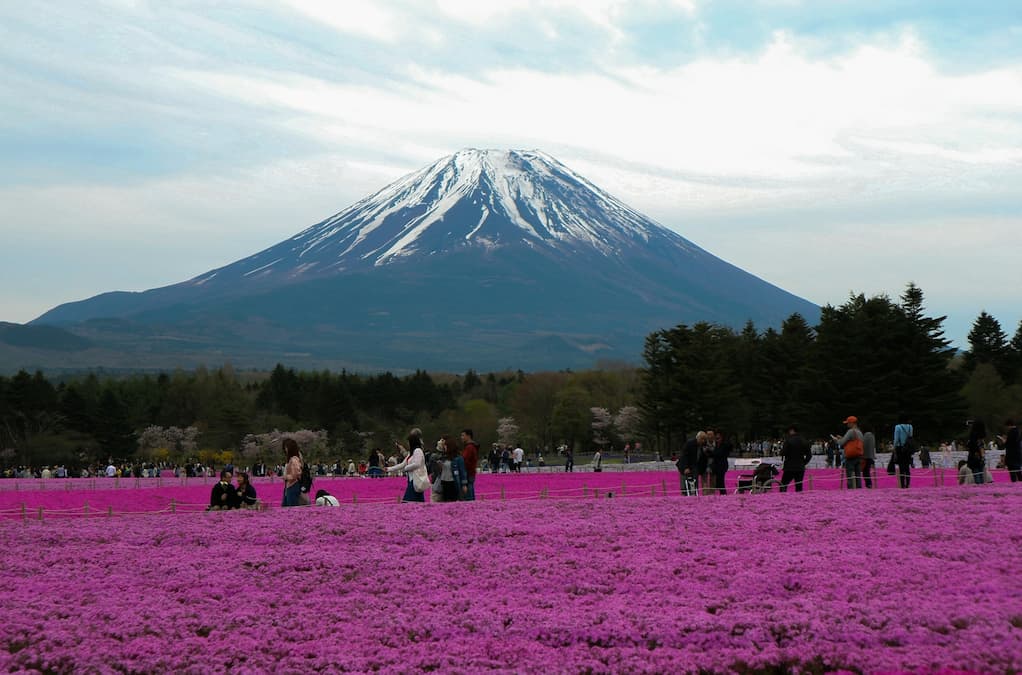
column 828, row 147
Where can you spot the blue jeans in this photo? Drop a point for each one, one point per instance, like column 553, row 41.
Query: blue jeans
column 471, row 496
column 291, row 495
column 411, row 495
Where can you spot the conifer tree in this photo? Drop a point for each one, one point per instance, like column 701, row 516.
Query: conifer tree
column 988, row 343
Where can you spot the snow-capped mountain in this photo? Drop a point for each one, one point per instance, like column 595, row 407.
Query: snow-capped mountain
column 484, row 259
column 474, row 199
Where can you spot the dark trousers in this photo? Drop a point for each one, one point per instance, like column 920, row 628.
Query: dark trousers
column 868, row 464
column 904, row 471
column 789, row 475
column 1015, row 473
column 718, row 482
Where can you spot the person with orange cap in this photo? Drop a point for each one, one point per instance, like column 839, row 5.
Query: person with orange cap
column 851, row 443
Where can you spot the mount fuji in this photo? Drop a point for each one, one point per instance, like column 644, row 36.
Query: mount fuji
column 486, row 259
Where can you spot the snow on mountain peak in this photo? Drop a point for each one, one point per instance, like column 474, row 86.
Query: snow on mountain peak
column 484, row 199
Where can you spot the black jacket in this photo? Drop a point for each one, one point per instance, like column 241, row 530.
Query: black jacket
column 689, row 456
column 796, row 453
column 221, row 495
column 720, row 454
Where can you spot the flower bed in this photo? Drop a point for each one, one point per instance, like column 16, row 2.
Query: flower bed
column 882, row 580
column 103, row 496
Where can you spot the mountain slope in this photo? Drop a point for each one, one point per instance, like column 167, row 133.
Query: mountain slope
column 470, row 262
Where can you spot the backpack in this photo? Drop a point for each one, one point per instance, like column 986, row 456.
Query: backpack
column 909, row 447
column 305, row 481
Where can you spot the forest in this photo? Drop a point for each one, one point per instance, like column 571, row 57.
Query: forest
column 872, row 357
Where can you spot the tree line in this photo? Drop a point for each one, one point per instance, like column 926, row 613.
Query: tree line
column 871, row 357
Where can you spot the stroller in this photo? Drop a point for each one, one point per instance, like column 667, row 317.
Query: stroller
column 763, row 479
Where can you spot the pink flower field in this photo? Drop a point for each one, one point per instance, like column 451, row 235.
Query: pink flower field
column 69, row 497
column 886, row 580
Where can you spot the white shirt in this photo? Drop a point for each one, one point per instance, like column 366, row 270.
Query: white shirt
column 111, row 471
column 519, row 454
column 327, row 500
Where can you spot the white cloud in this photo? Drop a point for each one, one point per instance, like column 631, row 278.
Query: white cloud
column 781, row 115
column 358, row 17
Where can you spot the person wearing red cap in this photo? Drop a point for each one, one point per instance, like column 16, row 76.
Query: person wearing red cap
column 851, row 443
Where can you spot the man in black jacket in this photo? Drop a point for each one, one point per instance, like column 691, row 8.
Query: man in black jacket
column 688, row 463
column 796, row 454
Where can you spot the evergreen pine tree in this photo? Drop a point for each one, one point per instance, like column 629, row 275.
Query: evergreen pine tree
column 988, row 344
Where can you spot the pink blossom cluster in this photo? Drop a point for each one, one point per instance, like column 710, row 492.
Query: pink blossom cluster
column 886, row 580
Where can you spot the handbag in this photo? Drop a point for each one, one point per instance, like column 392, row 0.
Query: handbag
column 420, row 480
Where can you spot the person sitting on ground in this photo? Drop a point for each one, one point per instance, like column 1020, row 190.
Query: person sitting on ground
column 965, row 474
column 324, row 498
column 245, row 494
column 221, row 497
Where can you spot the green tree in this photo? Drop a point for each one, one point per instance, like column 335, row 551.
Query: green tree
column 571, row 417
column 988, row 343
column 930, row 393
column 989, row 398
column 113, row 433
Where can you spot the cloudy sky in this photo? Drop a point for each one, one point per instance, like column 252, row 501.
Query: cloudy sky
column 828, row 147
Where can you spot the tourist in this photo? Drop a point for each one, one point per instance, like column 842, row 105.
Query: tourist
column 494, row 458
column 413, row 465
column 597, row 461
column 324, row 498
column 704, row 463
column 869, row 456
column 721, row 451
column 375, row 462
column 221, row 497
column 851, row 444
column 903, row 433
column 1012, row 451
column 569, row 459
column 975, row 446
column 688, row 463
column 796, row 454
column 470, row 455
column 453, row 475
column 244, row 493
column 292, row 473
column 518, row 458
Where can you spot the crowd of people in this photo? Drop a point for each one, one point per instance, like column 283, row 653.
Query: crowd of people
column 704, row 458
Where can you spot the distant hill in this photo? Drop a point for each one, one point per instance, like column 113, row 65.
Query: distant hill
column 486, row 259
column 41, row 337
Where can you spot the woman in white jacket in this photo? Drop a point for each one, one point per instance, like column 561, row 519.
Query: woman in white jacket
column 414, row 467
